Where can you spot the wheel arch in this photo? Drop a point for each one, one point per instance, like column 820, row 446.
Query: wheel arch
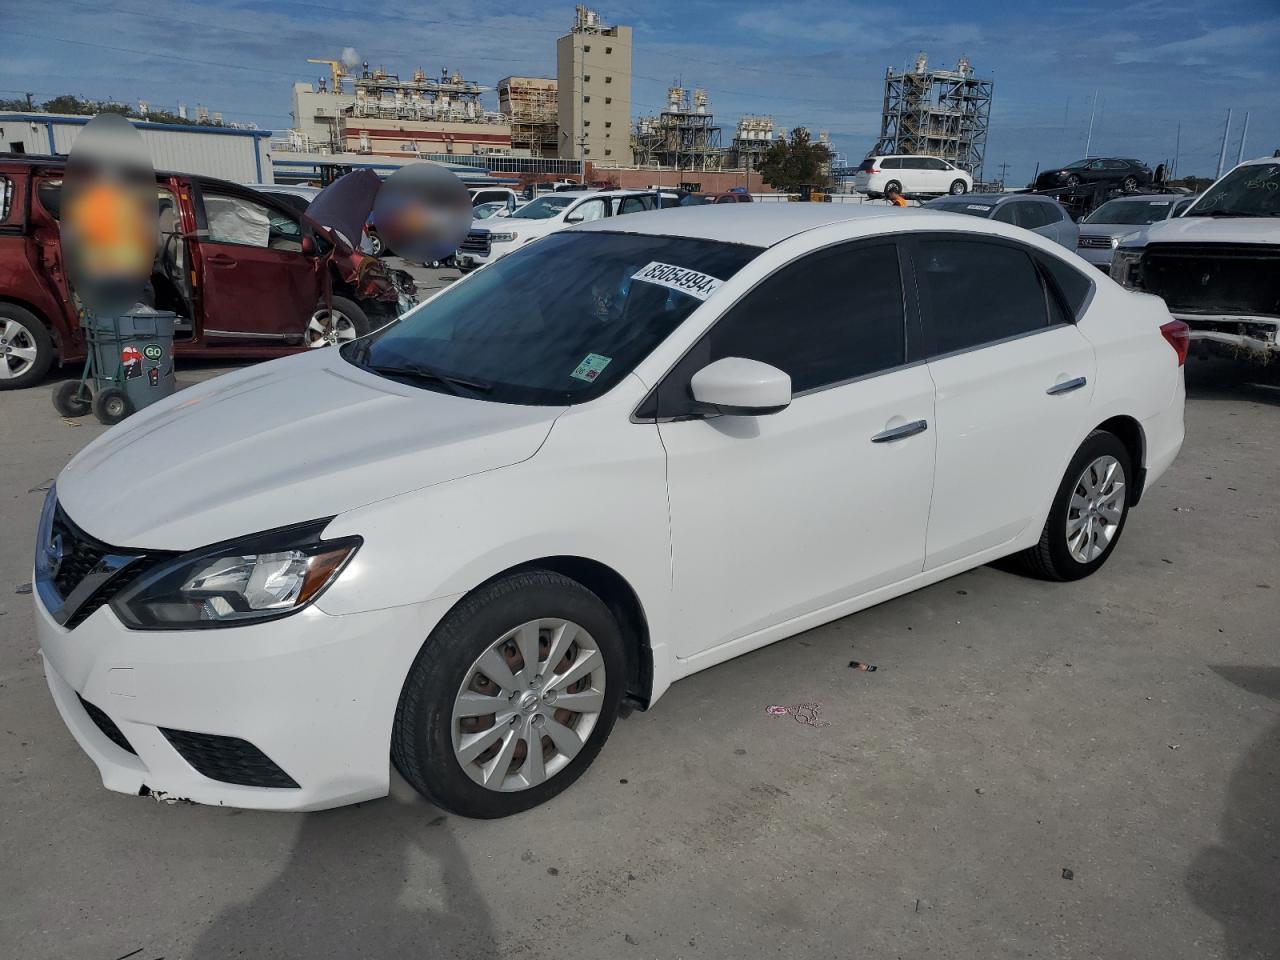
column 1129, row 431
column 623, row 602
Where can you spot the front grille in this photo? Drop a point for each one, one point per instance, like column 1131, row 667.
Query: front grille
column 228, row 759
column 80, row 553
column 476, row 241
column 1214, row 278
column 1091, row 242
column 106, row 725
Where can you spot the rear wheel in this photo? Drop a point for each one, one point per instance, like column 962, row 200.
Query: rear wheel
column 71, row 399
column 26, row 349
column 1129, row 184
column 958, row 187
column 1088, row 513
column 336, row 324
column 511, row 697
column 891, row 186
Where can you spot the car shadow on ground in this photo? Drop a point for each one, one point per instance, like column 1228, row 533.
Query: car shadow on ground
column 385, row 878
column 1237, row 880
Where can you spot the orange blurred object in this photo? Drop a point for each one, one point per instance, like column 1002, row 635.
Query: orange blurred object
column 110, row 222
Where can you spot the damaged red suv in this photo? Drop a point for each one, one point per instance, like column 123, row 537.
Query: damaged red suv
column 247, row 275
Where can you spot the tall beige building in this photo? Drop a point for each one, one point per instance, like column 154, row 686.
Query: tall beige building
column 593, row 72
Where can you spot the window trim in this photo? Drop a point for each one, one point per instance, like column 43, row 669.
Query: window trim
column 1048, row 284
column 912, row 321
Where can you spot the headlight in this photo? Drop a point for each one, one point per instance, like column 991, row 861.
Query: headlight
column 263, row 577
column 502, row 237
column 1125, row 263
column 1115, row 242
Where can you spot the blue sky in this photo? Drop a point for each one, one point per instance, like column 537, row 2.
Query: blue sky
column 821, row 64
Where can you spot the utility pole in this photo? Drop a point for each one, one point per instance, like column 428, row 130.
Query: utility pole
column 582, row 120
column 1177, row 150
column 30, row 104
column 1004, row 168
column 1092, row 109
column 1222, row 156
column 1244, row 134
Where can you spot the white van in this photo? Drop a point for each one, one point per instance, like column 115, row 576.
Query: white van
column 914, row 175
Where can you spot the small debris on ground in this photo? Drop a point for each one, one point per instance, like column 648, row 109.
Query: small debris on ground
column 963, row 593
column 1173, row 746
column 806, row 713
column 630, row 939
column 979, row 790
column 739, row 751
column 23, row 588
column 623, row 780
column 43, row 488
column 552, row 872
column 1183, row 509
column 1068, row 873
column 864, row 667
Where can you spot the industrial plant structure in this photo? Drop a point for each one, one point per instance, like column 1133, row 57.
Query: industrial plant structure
column 593, row 73
column 750, row 140
column 531, row 105
column 683, row 136
column 937, row 113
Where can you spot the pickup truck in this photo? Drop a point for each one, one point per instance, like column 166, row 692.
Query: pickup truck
column 248, row 275
column 1218, row 265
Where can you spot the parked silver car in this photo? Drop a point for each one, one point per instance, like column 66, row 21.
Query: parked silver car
column 1100, row 231
column 1042, row 215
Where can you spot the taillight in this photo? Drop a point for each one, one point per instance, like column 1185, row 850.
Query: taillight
column 873, row 170
column 1178, row 336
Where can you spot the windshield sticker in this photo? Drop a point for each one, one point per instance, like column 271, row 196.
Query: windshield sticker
column 976, row 206
column 682, row 279
column 1159, row 203
column 590, row 367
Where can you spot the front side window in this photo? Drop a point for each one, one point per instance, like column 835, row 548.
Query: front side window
column 832, row 316
column 232, row 219
column 1252, row 190
column 525, row 330
column 978, row 292
column 587, row 211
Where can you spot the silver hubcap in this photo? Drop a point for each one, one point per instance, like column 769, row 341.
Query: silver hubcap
column 329, row 327
column 17, row 349
column 1096, row 508
column 528, row 705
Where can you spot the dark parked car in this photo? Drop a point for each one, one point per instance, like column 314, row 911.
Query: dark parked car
column 1122, row 172
column 245, row 272
column 1042, row 215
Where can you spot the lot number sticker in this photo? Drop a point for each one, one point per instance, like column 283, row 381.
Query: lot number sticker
column 695, row 284
column 590, row 367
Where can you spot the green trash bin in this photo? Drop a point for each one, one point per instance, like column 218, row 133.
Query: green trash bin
column 134, row 353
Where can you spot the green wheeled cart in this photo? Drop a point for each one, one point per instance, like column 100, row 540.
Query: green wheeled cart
column 128, row 365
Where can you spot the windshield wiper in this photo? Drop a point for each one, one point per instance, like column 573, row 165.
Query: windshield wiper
column 459, row 386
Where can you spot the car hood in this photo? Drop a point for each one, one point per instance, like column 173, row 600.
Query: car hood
column 1112, row 229
column 1214, row 230
column 297, row 439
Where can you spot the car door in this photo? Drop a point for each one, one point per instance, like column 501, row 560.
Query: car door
column 1014, row 377
column 256, row 284
column 776, row 516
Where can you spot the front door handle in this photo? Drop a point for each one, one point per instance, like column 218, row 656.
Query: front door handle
column 902, row 432
column 1066, row 386
column 220, row 260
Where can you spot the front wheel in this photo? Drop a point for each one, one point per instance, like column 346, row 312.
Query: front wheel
column 958, row 188
column 336, row 324
column 1088, row 513
column 511, row 697
column 111, row 405
column 1073, row 181
column 1129, row 184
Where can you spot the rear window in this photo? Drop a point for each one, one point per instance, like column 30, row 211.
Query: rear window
column 962, row 206
column 1137, row 212
column 866, row 166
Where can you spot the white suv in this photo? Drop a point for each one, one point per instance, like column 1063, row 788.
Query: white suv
column 913, row 175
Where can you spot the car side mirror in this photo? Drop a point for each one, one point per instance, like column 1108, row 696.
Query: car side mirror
column 573, row 218
column 739, row 387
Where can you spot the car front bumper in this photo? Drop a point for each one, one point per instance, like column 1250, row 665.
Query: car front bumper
column 314, row 694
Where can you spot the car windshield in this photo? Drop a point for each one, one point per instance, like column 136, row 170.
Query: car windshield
column 971, row 207
column 1077, row 165
column 543, row 208
column 487, row 210
column 1248, row 191
column 1130, row 212
column 525, row 330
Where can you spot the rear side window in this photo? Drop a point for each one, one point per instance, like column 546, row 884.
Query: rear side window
column 978, row 292
column 1030, row 215
column 832, row 316
column 891, row 163
column 1074, row 285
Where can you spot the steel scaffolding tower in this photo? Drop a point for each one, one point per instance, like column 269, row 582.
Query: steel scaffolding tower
column 683, row 136
column 936, row 113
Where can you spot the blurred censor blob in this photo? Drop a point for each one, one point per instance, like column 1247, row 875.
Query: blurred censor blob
column 422, row 212
column 109, row 215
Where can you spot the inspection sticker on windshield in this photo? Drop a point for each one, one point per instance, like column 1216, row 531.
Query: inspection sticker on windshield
column 591, row 367
column 976, row 206
column 683, row 279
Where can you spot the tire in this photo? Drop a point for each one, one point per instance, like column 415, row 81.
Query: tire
column 375, row 244
column 327, row 327
column 111, row 405
column 26, row 349
column 1053, row 558
column 1073, row 181
column 1129, row 184
column 448, row 668
column 958, row 188
column 70, row 400
column 888, row 187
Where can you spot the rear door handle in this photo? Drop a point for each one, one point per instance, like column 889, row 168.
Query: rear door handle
column 221, row 260
column 1066, row 386
column 902, row 432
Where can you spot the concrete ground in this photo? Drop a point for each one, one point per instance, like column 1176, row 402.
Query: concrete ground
column 1035, row 770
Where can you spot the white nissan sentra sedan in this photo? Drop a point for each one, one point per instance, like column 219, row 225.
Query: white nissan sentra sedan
column 619, row 456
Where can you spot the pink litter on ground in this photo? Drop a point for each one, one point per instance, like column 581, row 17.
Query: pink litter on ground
column 776, row 711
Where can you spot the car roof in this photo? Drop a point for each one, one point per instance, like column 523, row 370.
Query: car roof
column 1134, row 198
column 994, row 198
column 758, row 224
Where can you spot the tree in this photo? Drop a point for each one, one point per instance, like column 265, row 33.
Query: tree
column 790, row 164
